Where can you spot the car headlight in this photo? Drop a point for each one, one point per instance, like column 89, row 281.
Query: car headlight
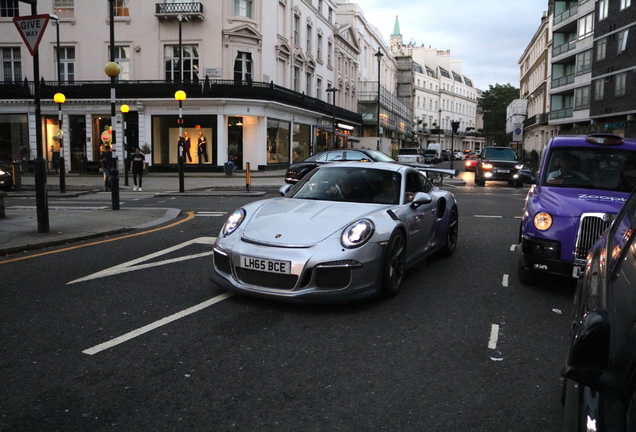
column 2, row 172
column 542, row 221
column 485, row 165
column 357, row 234
column 233, row 222
column 519, row 166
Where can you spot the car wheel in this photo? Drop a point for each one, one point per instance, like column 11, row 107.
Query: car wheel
column 394, row 264
column 452, row 231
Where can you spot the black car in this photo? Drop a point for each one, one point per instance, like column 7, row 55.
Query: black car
column 298, row 170
column 600, row 370
column 6, row 176
column 498, row 163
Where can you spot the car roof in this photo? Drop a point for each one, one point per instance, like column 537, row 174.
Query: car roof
column 581, row 141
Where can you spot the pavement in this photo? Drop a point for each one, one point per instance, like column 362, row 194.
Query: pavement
column 19, row 229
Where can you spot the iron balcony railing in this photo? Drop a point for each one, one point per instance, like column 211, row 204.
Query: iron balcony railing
column 175, row 9
column 209, row 89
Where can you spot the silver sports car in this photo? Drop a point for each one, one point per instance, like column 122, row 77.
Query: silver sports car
column 344, row 232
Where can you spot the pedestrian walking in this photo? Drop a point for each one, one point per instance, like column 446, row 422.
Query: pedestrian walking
column 137, row 166
column 106, row 159
column 202, row 148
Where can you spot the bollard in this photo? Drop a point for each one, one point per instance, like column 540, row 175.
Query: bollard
column 248, row 177
column 62, row 176
column 16, row 174
column 181, row 174
column 114, row 185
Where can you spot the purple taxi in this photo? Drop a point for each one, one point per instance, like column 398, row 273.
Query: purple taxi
column 581, row 186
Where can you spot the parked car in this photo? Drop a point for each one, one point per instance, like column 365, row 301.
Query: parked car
column 458, row 156
column 298, row 170
column 410, row 155
column 6, row 176
column 345, row 232
column 600, row 384
column 470, row 163
column 581, row 185
column 500, row 164
column 431, row 156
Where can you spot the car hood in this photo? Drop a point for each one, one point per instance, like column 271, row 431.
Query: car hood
column 300, row 222
column 572, row 202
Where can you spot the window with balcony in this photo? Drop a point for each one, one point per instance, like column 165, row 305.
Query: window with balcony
column 122, row 58
column 9, row 8
column 243, row 8
column 584, row 62
column 622, row 41
column 620, row 84
column 599, row 89
column 243, row 67
column 601, row 49
column 625, row 4
column 318, row 88
column 329, row 53
column 67, row 64
column 11, row 65
column 586, row 26
column 64, row 8
column 189, row 60
column 296, row 79
column 121, row 8
column 602, row 9
column 582, row 98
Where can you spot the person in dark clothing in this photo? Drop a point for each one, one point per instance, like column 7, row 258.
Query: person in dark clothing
column 186, row 147
column 137, row 166
column 202, row 148
column 106, row 159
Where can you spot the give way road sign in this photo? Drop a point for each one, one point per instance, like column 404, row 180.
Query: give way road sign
column 31, row 29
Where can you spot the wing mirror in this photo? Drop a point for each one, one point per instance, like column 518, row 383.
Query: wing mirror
column 284, row 189
column 421, row 198
column 589, row 353
column 527, row 176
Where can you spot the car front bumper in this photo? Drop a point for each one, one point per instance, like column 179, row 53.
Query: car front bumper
column 542, row 256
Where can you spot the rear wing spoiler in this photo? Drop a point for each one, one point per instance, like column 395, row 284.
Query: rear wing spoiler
column 436, row 175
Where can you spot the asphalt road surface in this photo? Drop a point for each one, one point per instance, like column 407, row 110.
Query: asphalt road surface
column 130, row 334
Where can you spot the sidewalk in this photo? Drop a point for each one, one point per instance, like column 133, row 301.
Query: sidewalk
column 19, row 229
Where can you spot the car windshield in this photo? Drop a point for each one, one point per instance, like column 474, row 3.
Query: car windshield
column 350, row 184
column 505, row 154
column 591, row 168
column 378, row 156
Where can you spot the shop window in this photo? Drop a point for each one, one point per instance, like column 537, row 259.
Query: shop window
column 278, row 137
column 302, row 142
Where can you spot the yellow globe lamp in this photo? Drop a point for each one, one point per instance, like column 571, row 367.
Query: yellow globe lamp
column 124, row 108
column 112, row 69
column 180, row 95
column 59, row 98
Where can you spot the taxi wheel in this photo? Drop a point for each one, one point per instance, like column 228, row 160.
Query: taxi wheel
column 394, row 264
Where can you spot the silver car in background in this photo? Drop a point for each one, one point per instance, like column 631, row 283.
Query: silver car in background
column 344, row 232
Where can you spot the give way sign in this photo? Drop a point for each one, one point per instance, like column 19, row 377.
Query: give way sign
column 31, row 29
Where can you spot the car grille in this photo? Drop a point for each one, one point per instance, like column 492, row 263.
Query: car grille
column 222, row 262
column 266, row 280
column 590, row 229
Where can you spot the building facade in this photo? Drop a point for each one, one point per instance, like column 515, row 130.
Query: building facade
column 255, row 76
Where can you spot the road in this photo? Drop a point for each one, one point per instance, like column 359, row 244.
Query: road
column 131, row 335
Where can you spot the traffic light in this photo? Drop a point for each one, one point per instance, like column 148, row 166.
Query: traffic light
column 455, row 126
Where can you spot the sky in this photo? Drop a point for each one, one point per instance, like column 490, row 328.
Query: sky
column 489, row 36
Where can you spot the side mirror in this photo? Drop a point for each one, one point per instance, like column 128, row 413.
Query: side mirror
column 421, row 198
column 589, row 353
column 527, row 176
column 284, row 189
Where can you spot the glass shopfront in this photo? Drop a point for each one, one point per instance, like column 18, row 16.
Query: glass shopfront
column 302, row 142
column 14, row 137
column 278, row 137
column 165, row 140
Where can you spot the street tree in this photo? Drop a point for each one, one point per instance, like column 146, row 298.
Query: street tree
column 493, row 103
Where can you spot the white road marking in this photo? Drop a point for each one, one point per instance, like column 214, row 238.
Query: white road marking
column 211, row 214
column 504, row 282
column 58, row 208
column 145, row 329
column 494, row 335
column 489, row 216
column 132, row 265
column 513, row 248
column 518, row 217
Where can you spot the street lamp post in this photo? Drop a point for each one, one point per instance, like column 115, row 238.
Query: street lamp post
column 62, row 98
column 59, row 98
column 454, row 127
column 333, row 91
column 180, row 95
column 112, row 70
column 124, row 109
column 379, row 56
